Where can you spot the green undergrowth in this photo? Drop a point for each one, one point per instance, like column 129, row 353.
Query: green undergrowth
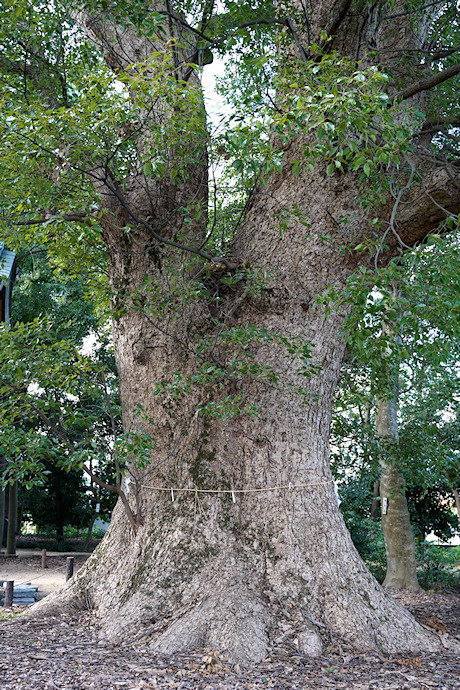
column 438, row 567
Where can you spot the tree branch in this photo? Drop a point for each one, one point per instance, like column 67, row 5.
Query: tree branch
column 178, row 245
column 77, row 217
column 428, row 82
column 428, row 203
column 445, row 53
column 440, row 122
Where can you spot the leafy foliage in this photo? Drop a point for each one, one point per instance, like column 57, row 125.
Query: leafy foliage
column 73, row 132
column 50, row 403
column 424, row 358
column 54, row 490
column 63, row 501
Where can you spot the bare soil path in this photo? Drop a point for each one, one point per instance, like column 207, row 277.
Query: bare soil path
column 65, row 652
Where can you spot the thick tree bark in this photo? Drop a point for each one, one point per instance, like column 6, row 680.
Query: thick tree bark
column 207, row 566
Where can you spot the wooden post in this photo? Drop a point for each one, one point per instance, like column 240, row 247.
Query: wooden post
column 12, row 518
column 69, row 569
column 9, row 593
column 44, row 558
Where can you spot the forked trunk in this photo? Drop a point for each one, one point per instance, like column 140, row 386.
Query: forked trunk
column 240, row 538
column 241, row 529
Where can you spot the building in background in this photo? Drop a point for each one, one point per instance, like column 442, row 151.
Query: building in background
column 7, row 274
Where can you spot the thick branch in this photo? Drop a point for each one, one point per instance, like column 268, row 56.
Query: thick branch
column 428, row 203
column 440, row 123
column 429, row 82
column 71, row 217
column 445, row 53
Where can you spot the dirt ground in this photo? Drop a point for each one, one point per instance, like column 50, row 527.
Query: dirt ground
column 65, row 652
column 26, row 567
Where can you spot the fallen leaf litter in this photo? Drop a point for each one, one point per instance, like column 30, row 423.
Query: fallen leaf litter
column 65, row 653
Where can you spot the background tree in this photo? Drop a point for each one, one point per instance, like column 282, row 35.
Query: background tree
column 328, row 134
column 63, row 495
column 405, row 386
column 62, row 501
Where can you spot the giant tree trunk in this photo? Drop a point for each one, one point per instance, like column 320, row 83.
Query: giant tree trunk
column 207, row 566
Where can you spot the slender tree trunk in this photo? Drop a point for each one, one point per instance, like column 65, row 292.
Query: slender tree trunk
column 399, row 538
column 375, row 507
column 238, row 525
column 12, row 518
column 457, row 501
column 89, row 533
column 2, row 517
column 397, row 531
column 19, row 521
column 59, row 516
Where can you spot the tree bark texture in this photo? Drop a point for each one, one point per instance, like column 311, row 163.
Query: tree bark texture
column 222, row 569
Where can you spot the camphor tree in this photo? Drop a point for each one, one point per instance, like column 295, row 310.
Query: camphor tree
column 216, row 329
